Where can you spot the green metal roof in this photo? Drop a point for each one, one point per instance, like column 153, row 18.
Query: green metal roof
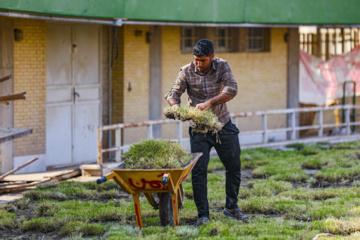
column 299, row 12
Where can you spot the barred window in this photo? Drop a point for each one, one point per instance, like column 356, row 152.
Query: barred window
column 328, row 42
column 227, row 39
column 255, row 40
column 223, row 40
column 189, row 36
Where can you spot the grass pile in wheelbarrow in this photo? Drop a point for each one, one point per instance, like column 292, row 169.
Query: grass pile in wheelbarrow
column 156, row 153
column 201, row 121
column 156, row 168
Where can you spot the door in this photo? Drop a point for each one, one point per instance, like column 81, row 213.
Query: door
column 73, row 93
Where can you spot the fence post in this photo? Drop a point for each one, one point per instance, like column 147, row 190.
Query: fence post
column 118, row 144
column 264, row 127
column 321, row 127
column 150, row 131
column 347, row 120
column 99, row 152
column 179, row 132
column 293, row 126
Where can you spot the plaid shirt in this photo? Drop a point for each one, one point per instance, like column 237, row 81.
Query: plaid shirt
column 201, row 88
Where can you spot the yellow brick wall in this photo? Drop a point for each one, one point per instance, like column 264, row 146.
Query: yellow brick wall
column 261, row 77
column 136, row 73
column 30, row 76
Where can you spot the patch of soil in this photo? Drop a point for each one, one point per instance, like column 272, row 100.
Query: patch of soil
column 246, row 176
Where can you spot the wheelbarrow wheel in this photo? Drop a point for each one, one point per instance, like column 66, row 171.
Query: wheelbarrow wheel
column 165, row 209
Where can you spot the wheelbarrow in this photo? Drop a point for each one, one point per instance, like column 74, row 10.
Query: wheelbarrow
column 164, row 182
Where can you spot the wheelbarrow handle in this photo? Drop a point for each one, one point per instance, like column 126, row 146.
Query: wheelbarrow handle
column 101, row 180
column 165, row 179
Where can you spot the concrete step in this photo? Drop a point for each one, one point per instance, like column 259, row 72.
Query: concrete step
column 97, row 170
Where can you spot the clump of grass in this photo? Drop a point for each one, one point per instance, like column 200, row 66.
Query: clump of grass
column 86, row 229
column 337, row 174
column 310, row 150
column 7, row 220
column 356, row 183
column 307, row 194
column 155, row 154
column 297, row 146
column 313, row 164
column 119, row 231
column 268, row 187
column 41, row 224
column 47, row 209
column 341, row 226
column 47, row 185
column 38, row 195
column 291, row 176
column 203, row 121
column 108, row 194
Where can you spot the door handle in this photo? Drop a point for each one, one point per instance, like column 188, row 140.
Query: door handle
column 76, row 94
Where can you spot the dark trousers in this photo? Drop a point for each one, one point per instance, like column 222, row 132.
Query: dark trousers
column 228, row 149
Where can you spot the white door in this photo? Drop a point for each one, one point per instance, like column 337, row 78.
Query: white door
column 73, row 93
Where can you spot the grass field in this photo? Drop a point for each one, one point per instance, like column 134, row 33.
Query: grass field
column 294, row 194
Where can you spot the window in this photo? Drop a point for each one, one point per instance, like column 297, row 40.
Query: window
column 223, row 40
column 189, row 36
column 328, row 42
column 256, row 39
column 227, row 39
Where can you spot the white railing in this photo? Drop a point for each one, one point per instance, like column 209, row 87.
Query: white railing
column 265, row 131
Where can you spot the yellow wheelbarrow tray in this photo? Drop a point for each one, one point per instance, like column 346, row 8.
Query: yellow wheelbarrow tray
column 148, row 181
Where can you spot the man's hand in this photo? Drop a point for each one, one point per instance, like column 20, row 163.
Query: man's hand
column 203, row 106
column 221, row 98
column 172, row 102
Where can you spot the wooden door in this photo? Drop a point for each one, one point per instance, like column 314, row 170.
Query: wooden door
column 73, row 93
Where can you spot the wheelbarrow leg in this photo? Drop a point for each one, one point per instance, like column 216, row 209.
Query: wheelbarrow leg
column 137, row 210
column 174, row 203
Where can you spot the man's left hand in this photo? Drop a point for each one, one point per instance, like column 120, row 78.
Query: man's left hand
column 203, row 106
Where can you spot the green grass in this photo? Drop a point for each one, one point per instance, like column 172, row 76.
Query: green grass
column 202, row 121
column 156, row 154
column 277, row 199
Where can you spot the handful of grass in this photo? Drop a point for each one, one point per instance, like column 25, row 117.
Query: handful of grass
column 202, row 121
column 156, row 154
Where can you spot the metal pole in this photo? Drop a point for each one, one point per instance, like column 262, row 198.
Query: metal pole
column 179, row 131
column 293, row 126
column 347, row 120
column 321, row 127
column 118, row 144
column 150, row 132
column 99, row 153
column 264, row 127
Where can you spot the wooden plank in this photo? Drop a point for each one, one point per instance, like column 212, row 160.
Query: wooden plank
column 7, row 134
column 18, row 168
column 65, row 176
column 16, row 188
column 31, row 177
column 12, row 97
column 5, row 78
column 11, row 183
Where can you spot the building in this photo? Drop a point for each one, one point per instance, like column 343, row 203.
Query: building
column 90, row 63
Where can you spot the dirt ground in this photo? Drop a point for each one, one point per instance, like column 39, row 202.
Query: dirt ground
column 246, row 176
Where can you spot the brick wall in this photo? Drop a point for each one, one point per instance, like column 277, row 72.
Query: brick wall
column 30, row 76
column 136, row 73
column 261, row 77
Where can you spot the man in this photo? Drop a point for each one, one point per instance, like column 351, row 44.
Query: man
column 210, row 83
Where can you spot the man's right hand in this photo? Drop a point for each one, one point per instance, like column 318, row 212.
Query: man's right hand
column 173, row 103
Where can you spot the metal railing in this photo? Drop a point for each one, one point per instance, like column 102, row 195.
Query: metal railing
column 265, row 131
